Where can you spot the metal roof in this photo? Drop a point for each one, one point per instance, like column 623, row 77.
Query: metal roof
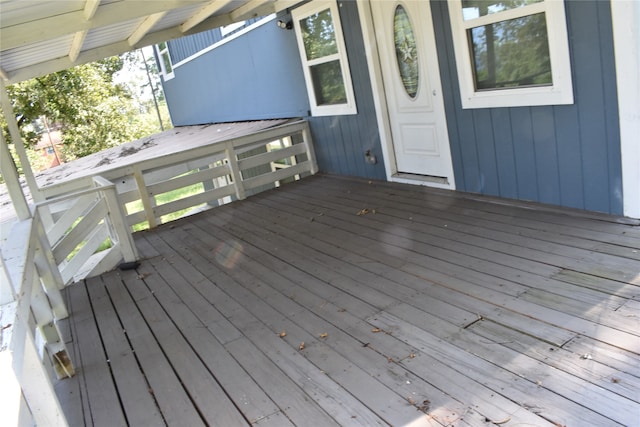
column 39, row 37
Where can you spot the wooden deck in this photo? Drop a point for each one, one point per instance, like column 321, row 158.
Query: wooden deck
column 334, row 301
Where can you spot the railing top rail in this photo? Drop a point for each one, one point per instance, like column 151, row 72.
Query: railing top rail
column 101, row 185
column 274, row 132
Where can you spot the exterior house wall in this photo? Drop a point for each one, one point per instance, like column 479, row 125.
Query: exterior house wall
column 252, row 77
column 566, row 155
column 259, row 76
column 341, row 141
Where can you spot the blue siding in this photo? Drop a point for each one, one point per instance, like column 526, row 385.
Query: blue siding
column 184, row 47
column 566, row 155
column 249, row 78
column 341, row 141
column 259, row 76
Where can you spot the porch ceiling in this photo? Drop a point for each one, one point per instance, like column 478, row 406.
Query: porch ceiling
column 42, row 37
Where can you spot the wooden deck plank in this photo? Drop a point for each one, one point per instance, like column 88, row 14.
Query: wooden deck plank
column 440, row 412
column 528, row 393
column 581, row 223
column 175, row 405
column 169, row 287
column 546, row 253
column 480, row 307
column 468, row 313
column 137, row 400
column 290, row 361
column 586, row 326
column 286, row 392
column 211, row 401
column 297, row 316
column 104, row 403
column 70, row 391
column 589, row 370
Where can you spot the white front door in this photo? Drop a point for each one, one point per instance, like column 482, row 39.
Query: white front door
column 409, row 63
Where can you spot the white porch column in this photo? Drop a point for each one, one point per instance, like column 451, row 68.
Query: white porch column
column 625, row 15
column 14, row 130
column 12, row 180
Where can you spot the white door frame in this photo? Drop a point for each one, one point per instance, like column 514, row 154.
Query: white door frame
column 380, row 101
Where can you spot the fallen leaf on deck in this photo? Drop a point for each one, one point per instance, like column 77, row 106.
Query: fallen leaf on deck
column 324, row 335
column 425, row 406
column 282, row 334
column 362, row 212
column 301, row 346
column 376, row 330
column 143, row 275
column 412, row 355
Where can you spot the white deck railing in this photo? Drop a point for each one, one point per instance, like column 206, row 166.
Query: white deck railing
column 227, row 170
column 86, row 231
column 30, row 342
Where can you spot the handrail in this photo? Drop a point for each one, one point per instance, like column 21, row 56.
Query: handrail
column 96, row 220
column 226, row 170
column 31, row 306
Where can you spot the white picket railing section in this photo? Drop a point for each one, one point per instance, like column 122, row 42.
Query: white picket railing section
column 227, row 170
column 30, row 342
column 87, row 231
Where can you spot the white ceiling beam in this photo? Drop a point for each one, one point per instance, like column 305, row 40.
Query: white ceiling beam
column 252, row 9
column 145, row 27
column 118, row 48
column 90, row 8
column 211, row 8
column 284, row 4
column 72, row 22
column 76, row 45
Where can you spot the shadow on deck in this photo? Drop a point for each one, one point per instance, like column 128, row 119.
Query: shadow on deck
column 333, row 301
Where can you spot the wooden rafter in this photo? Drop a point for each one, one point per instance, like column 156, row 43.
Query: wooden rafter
column 76, row 45
column 252, row 9
column 144, row 28
column 90, row 9
column 69, row 23
column 202, row 14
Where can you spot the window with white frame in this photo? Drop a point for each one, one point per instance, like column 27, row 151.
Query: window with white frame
column 166, row 66
column 511, row 52
column 324, row 58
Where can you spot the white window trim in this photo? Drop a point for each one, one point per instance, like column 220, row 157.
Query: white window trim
column 165, row 76
column 561, row 92
column 325, row 110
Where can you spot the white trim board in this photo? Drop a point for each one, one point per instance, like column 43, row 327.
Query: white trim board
column 625, row 16
column 226, row 40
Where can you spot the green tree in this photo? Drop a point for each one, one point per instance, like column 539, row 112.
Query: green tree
column 94, row 113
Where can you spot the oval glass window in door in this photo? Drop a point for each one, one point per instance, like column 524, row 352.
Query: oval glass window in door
column 406, row 51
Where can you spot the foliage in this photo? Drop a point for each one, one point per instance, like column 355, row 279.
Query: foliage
column 319, row 39
column 95, row 112
column 509, row 53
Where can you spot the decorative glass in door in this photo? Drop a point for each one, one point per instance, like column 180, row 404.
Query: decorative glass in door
column 406, row 51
